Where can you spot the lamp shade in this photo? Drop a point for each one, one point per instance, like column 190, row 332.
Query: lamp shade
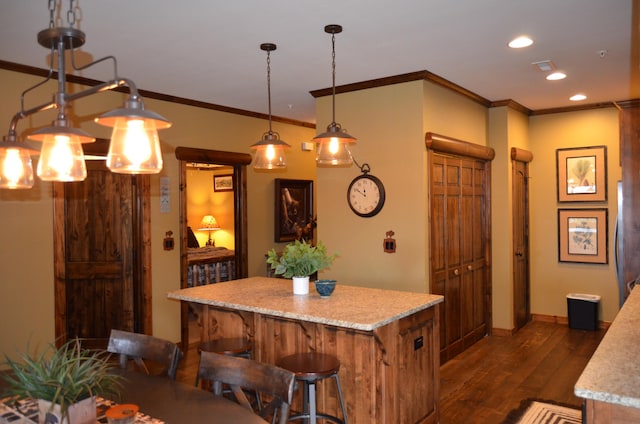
column 270, row 152
column 16, row 168
column 61, row 156
column 333, row 148
column 208, row 223
column 135, row 146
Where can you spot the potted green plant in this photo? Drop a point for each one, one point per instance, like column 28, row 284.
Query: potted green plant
column 298, row 261
column 64, row 380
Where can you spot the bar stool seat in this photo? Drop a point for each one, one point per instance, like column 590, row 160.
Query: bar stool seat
column 232, row 346
column 310, row 368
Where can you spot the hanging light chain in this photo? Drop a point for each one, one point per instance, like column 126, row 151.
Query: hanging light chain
column 269, row 86
column 52, row 11
column 71, row 14
column 333, row 74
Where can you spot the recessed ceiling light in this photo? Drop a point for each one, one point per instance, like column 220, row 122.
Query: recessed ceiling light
column 577, row 97
column 556, row 76
column 520, row 42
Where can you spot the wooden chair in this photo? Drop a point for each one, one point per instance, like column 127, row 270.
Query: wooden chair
column 141, row 347
column 246, row 374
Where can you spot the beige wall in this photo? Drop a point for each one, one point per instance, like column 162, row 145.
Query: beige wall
column 390, row 123
column 26, row 220
column 551, row 280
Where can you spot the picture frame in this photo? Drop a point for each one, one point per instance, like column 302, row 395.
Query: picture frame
column 582, row 174
column 583, row 235
column 293, row 208
column 223, row 182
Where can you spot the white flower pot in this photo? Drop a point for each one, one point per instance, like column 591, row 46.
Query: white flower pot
column 83, row 412
column 301, row 285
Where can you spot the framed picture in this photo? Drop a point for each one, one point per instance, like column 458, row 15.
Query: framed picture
column 294, row 208
column 223, row 182
column 582, row 174
column 583, row 236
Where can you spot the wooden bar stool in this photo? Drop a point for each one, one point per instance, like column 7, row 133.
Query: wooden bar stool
column 310, row 368
column 237, row 346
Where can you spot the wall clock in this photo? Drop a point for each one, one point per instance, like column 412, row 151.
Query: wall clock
column 365, row 194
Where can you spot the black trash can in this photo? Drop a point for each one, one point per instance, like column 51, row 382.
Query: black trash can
column 583, row 311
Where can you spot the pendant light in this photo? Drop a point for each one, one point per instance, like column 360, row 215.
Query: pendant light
column 270, row 149
column 332, row 147
column 134, row 148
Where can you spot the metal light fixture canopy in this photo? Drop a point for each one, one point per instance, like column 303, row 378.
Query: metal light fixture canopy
column 270, row 149
column 332, row 147
column 62, row 159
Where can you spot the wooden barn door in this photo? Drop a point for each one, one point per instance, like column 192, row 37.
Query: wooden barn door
column 459, row 244
column 100, row 255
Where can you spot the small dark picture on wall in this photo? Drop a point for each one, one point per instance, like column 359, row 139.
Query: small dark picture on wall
column 294, row 208
column 223, row 182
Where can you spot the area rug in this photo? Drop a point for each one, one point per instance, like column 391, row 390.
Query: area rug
column 539, row 412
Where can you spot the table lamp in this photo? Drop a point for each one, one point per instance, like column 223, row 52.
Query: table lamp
column 209, row 224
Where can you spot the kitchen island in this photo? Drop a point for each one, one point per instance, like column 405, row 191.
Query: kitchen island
column 387, row 341
column 610, row 383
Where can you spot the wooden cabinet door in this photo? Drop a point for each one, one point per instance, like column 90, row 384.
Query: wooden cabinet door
column 459, row 249
column 521, row 290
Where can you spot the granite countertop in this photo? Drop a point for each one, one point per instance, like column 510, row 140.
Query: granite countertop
column 613, row 373
column 358, row 308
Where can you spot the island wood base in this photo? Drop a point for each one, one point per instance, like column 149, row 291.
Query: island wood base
column 597, row 412
column 388, row 375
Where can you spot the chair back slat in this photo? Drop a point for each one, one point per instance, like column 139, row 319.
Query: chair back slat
column 246, row 374
column 141, row 347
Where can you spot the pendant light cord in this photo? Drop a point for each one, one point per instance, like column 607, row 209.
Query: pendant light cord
column 269, row 86
column 333, row 74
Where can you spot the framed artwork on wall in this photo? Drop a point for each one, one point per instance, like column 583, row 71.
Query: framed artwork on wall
column 582, row 174
column 223, row 182
column 294, row 208
column 583, row 236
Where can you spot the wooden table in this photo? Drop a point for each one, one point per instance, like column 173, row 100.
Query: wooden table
column 610, row 383
column 178, row 403
column 387, row 341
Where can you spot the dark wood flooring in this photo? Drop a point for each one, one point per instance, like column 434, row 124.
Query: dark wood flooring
column 543, row 360
column 484, row 383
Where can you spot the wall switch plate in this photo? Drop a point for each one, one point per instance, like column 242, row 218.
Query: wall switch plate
column 307, row 146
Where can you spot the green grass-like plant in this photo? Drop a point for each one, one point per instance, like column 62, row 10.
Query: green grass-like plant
column 299, row 259
column 62, row 376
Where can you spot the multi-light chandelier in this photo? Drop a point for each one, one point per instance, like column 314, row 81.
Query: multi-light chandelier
column 270, row 149
column 332, row 145
column 134, row 147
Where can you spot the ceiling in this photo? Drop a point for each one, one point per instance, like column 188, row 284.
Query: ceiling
column 209, row 50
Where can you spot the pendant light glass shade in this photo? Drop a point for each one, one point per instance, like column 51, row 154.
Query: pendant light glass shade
column 270, row 152
column 332, row 147
column 270, row 149
column 16, row 168
column 135, row 145
column 61, row 155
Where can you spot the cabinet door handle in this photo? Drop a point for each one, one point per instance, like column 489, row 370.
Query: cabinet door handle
column 469, row 268
column 456, row 272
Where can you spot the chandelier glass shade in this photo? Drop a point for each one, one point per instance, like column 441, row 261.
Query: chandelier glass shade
column 16, row 168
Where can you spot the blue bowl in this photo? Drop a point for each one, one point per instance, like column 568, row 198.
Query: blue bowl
column 325, row 287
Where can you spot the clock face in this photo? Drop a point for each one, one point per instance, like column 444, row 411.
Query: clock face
column 366, row 195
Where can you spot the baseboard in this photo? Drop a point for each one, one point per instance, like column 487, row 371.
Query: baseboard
column 505, row 332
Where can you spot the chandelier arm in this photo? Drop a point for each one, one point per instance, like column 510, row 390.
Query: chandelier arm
column 105, row 86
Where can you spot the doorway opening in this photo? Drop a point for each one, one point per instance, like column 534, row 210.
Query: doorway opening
column 236, row 164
